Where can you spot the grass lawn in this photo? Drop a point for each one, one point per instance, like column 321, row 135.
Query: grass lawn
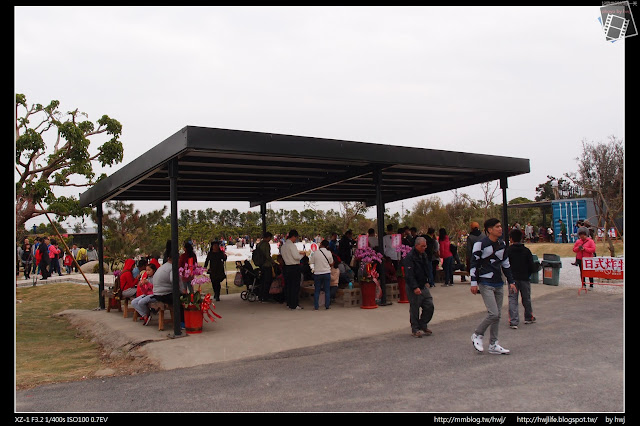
column 566, row 249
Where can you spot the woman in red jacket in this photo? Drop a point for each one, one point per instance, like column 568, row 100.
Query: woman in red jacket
column 447, row 257
column 127, row 282
column 584, row 247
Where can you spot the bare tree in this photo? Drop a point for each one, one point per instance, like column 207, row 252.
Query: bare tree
column 486, row 203
column 349, row 211
column 601, row 174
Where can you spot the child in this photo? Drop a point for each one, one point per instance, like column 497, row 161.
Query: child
column 145, row 293
column 68, row 262
column 522, row 267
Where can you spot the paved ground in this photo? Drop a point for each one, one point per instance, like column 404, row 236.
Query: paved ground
column 262, row 357
column 249, row 329
column 570, row 364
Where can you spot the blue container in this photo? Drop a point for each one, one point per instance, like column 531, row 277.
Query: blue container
column 570, row 211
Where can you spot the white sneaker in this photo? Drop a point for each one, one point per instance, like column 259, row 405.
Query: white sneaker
column 497, row 349
column 476, row 339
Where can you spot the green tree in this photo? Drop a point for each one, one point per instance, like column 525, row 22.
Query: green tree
column 128, row 233
column 66, row 162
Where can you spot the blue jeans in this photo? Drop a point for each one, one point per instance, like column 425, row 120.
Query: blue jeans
column 447, row 268
column 322, row 282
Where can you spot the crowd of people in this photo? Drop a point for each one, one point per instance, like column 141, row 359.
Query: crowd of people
column 45, row 257
column 333, row 265
column 489, row 261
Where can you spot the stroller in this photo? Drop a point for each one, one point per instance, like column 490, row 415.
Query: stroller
column 250, row 278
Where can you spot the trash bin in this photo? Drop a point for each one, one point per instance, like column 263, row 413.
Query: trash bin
column 551, row 265
column 534, row 278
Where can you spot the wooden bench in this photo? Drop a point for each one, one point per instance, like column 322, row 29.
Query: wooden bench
column 108, row 294
column 125, row 311
column 160, row 307
column 307, row 288
column 439, row 276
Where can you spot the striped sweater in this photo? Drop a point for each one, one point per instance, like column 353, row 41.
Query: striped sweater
column 486, row 262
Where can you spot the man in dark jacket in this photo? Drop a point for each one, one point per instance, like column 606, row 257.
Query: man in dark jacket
column 522, row 266
column 416, row 270
column 474, row 236
column 44, row 258
column 345, row 247
column 266, row 268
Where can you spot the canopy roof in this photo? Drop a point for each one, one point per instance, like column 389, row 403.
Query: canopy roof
column 232, row 165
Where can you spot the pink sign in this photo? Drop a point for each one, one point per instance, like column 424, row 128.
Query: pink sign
column 363, row 241
column 396, row 240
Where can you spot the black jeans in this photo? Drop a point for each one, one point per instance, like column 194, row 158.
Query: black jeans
column 44, row 269
column 265, row 282
column 424, row 301
column 292, row 278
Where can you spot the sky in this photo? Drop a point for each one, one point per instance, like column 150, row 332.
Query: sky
column 527, row 82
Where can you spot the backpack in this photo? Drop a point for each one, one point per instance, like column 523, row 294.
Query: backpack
column 257, row 257
column 431, row 247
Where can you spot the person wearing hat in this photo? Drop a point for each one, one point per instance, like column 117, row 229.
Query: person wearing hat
column 584, row 247
column 474, row 236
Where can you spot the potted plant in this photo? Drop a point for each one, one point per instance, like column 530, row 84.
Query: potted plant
column 196, row 305
column 368, row 276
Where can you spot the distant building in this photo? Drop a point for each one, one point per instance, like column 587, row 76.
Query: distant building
column 84, row 238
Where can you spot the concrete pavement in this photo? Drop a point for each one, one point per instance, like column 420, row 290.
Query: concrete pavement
column 249, row 329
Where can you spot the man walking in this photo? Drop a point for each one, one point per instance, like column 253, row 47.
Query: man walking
column 563, row 231
column 44, row 262
column 416, row 271
column 489, row 256
column 521, row 261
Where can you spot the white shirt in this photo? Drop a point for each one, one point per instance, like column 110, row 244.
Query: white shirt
column 389, row 250
column 321, row 265
column 290, row 253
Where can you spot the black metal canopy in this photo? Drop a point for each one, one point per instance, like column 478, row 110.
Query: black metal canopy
column 231, row 165
column 205, row 164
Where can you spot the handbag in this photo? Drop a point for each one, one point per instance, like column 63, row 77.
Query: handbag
column 276, row 286
column 238, row 280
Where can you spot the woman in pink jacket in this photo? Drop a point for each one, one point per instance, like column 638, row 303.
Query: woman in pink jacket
column 54, row 256
column 584, row 247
